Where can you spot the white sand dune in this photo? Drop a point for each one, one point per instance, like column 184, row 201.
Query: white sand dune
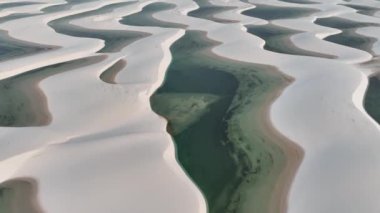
column 145, row 172
column 106, row 151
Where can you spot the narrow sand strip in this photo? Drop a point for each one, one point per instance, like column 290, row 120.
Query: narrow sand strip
column 294, row 156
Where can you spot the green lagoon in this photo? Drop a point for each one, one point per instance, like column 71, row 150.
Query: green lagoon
column 213, row 107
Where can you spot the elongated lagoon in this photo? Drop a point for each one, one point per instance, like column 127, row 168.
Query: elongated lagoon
column 215, row 109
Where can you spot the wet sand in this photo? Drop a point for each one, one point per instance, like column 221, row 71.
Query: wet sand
column 294, row 156
column 19, row 196
column 268, row 191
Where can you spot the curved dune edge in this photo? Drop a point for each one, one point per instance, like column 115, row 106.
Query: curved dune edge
column 109, row 75
column 294, row 156
column 286, row 115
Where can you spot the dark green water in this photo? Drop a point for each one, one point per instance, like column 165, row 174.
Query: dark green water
column 114, row 40
column 348, row 36
column 145, row 17
column 199, row 145
column 277, row 40
column 207, row 101
column 372, row 98
column 273, row 13
column 22, row 103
